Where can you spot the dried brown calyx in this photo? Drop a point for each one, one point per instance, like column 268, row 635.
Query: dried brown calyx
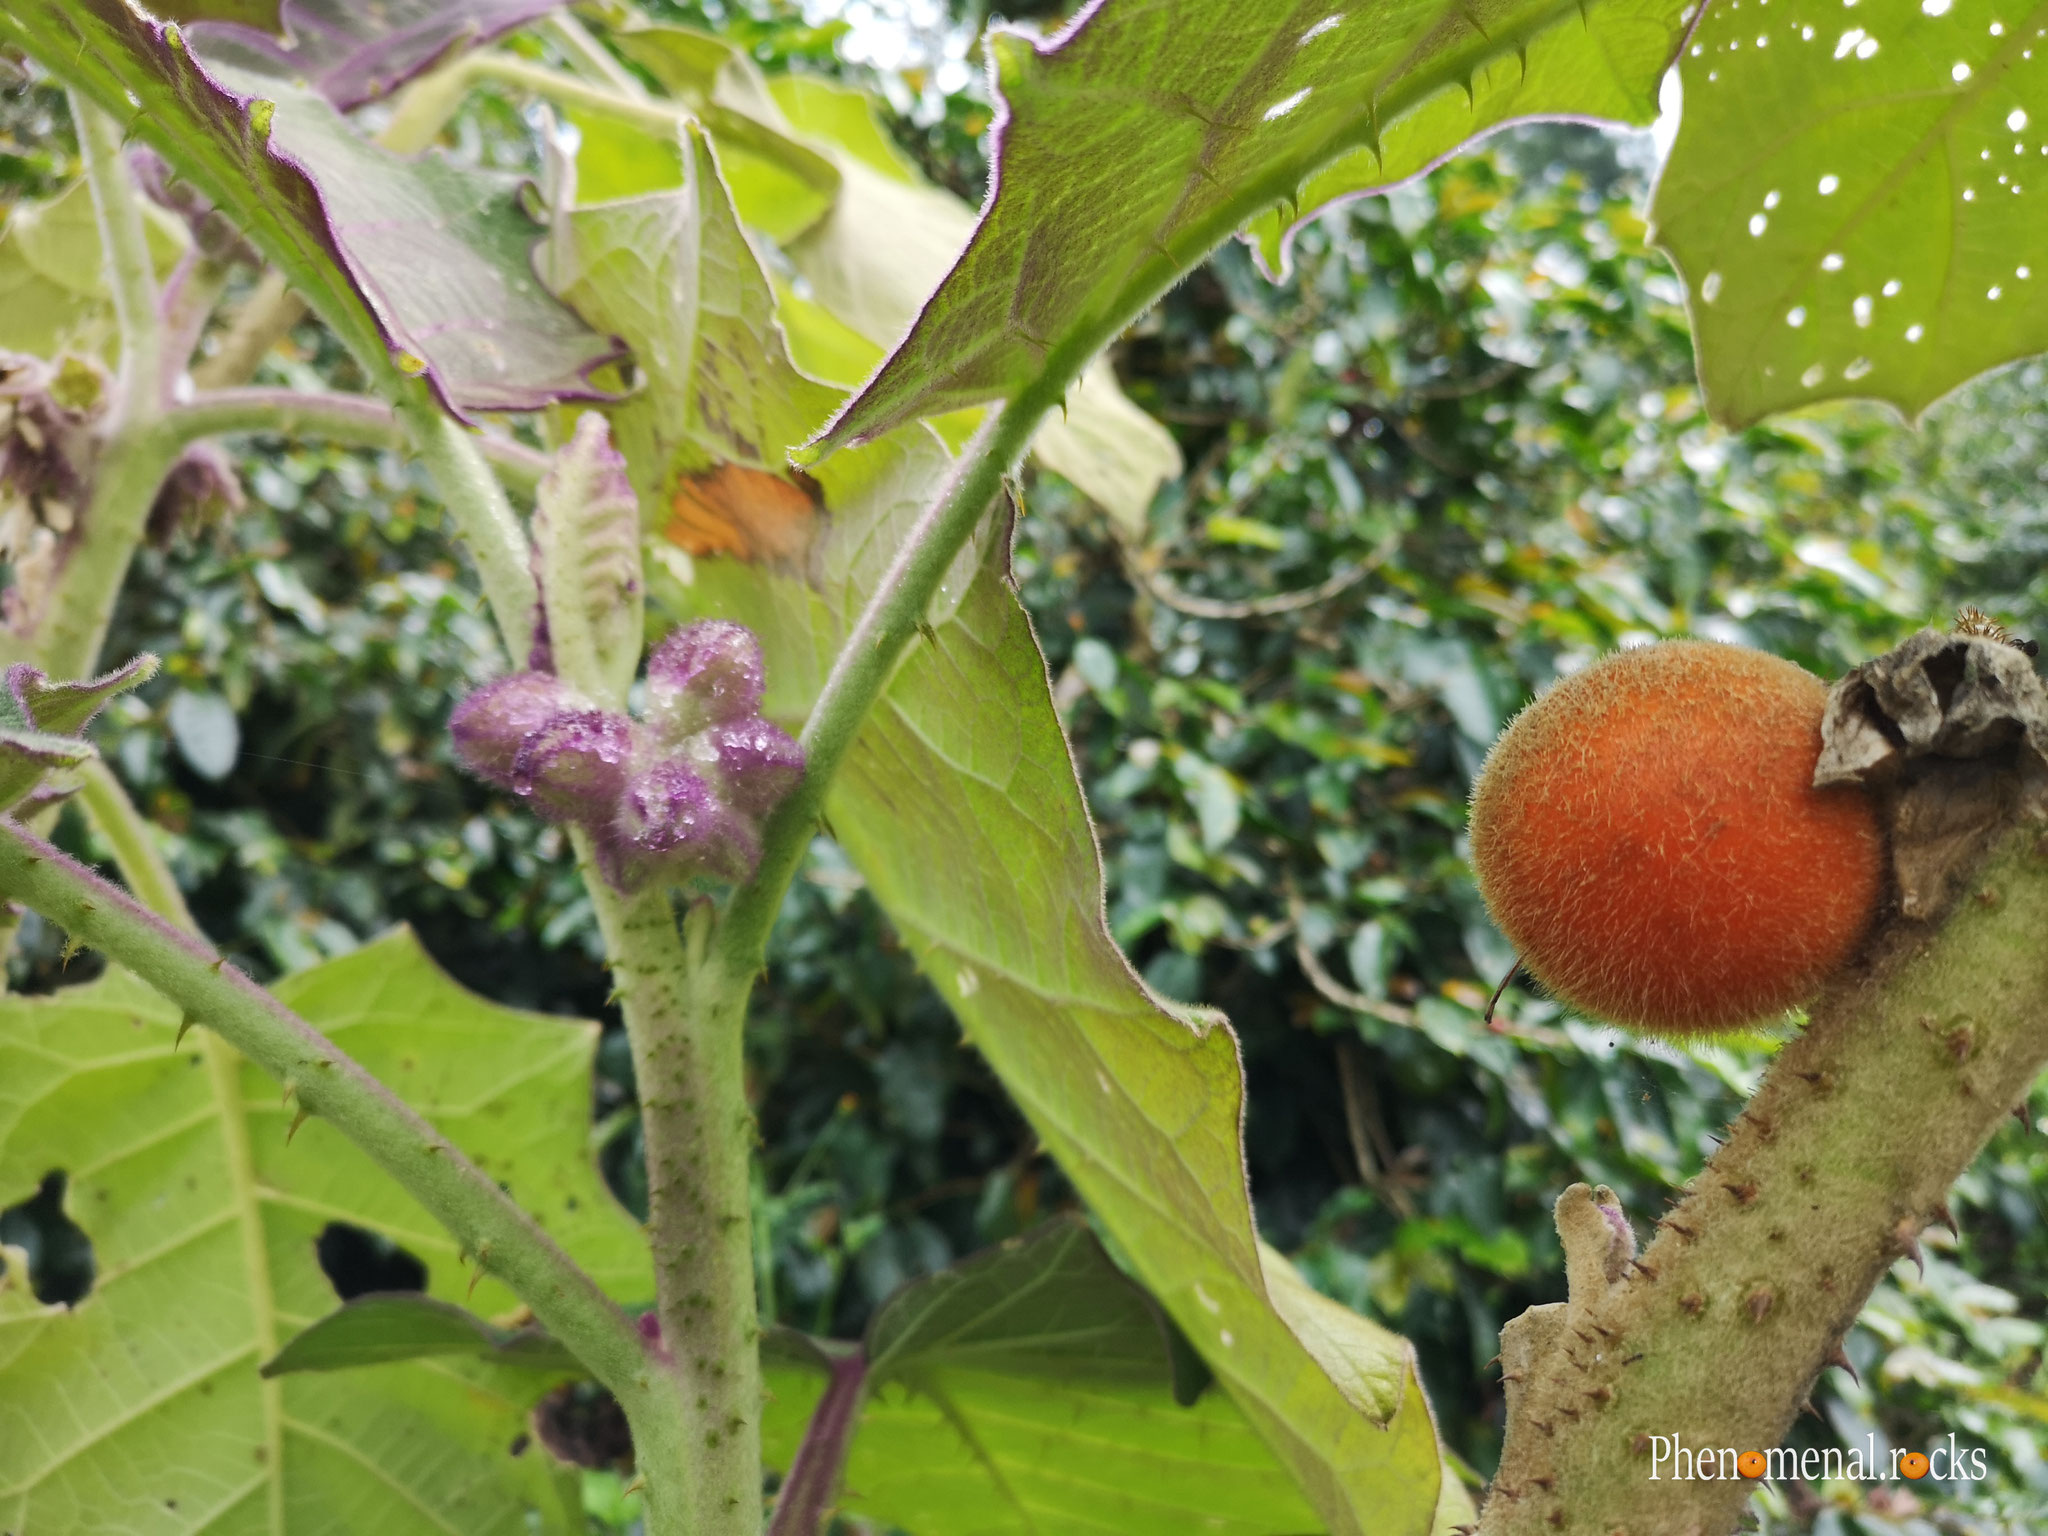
column 1951, row 731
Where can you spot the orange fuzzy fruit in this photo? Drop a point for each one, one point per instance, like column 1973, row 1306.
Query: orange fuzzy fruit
column 1647, row 834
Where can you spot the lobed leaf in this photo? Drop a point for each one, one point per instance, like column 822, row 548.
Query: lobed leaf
column 1148, row 130
column 68, row 707
column 809, row 166
column 781, row 185
column 1853, row 199
column 421, row 268
column 143, row 1403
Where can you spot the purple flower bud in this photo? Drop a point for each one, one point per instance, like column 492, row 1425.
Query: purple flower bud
column 672, row 823
column 491, row 724
column 703, row 674
column 759, row 763
column 573, row 767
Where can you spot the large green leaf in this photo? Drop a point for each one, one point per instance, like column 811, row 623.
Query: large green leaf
column 781, row 185
column 887, row 241
column 1855, row 199
column 421, row 268
column 404, row 1325
column 1107, row 186
column 1031, row 1389
column 141, row 1410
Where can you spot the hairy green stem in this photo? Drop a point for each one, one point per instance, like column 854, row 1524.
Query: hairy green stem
column 355, row 421
column 263, row 321
column 685, row 1022
column 135, row 455
column 1848, row 1149
column 477, row 502
column 131, row 278
column 467, row 1201
column 867, row 660
column 685, row 1019
column 133, row 842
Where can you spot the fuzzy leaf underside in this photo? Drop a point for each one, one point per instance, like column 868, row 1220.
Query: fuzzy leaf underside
column 421, row 268
column 1149, row 130
column 1854, row 199
column 1030, row 1389
column 142, row 1408
column 808, row 165
column 887, row 242
column 352, row 53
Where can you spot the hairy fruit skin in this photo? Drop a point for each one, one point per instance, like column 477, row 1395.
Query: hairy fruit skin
column 1648, row 835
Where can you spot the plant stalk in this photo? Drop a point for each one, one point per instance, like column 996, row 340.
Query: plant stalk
column 355, row 421
column 806, row 1497
column 477, row 502
column 685, row 1019
column 1848, row 1150
column 135, row 455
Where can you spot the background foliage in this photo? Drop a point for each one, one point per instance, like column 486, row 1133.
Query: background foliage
column 1484, row 383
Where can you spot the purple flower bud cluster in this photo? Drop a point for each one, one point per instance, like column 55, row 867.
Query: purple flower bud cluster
column 674, row 797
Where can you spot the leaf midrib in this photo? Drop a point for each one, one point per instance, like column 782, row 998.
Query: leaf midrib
column 224, row 1076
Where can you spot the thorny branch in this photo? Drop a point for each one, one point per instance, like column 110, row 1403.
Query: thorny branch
column 1716, row 1333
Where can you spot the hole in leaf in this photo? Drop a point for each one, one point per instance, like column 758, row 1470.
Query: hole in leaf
column 357, row 1262
column 583, row 1425
column 60, row 1259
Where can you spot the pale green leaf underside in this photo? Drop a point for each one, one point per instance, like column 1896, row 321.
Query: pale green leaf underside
column 1030, row 1389
column 141, row 1412
column 1140, row 139
column 870, row 238
column 403, row 1325
column 982, row 1453
column 1856, row 199
column 671, row 272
